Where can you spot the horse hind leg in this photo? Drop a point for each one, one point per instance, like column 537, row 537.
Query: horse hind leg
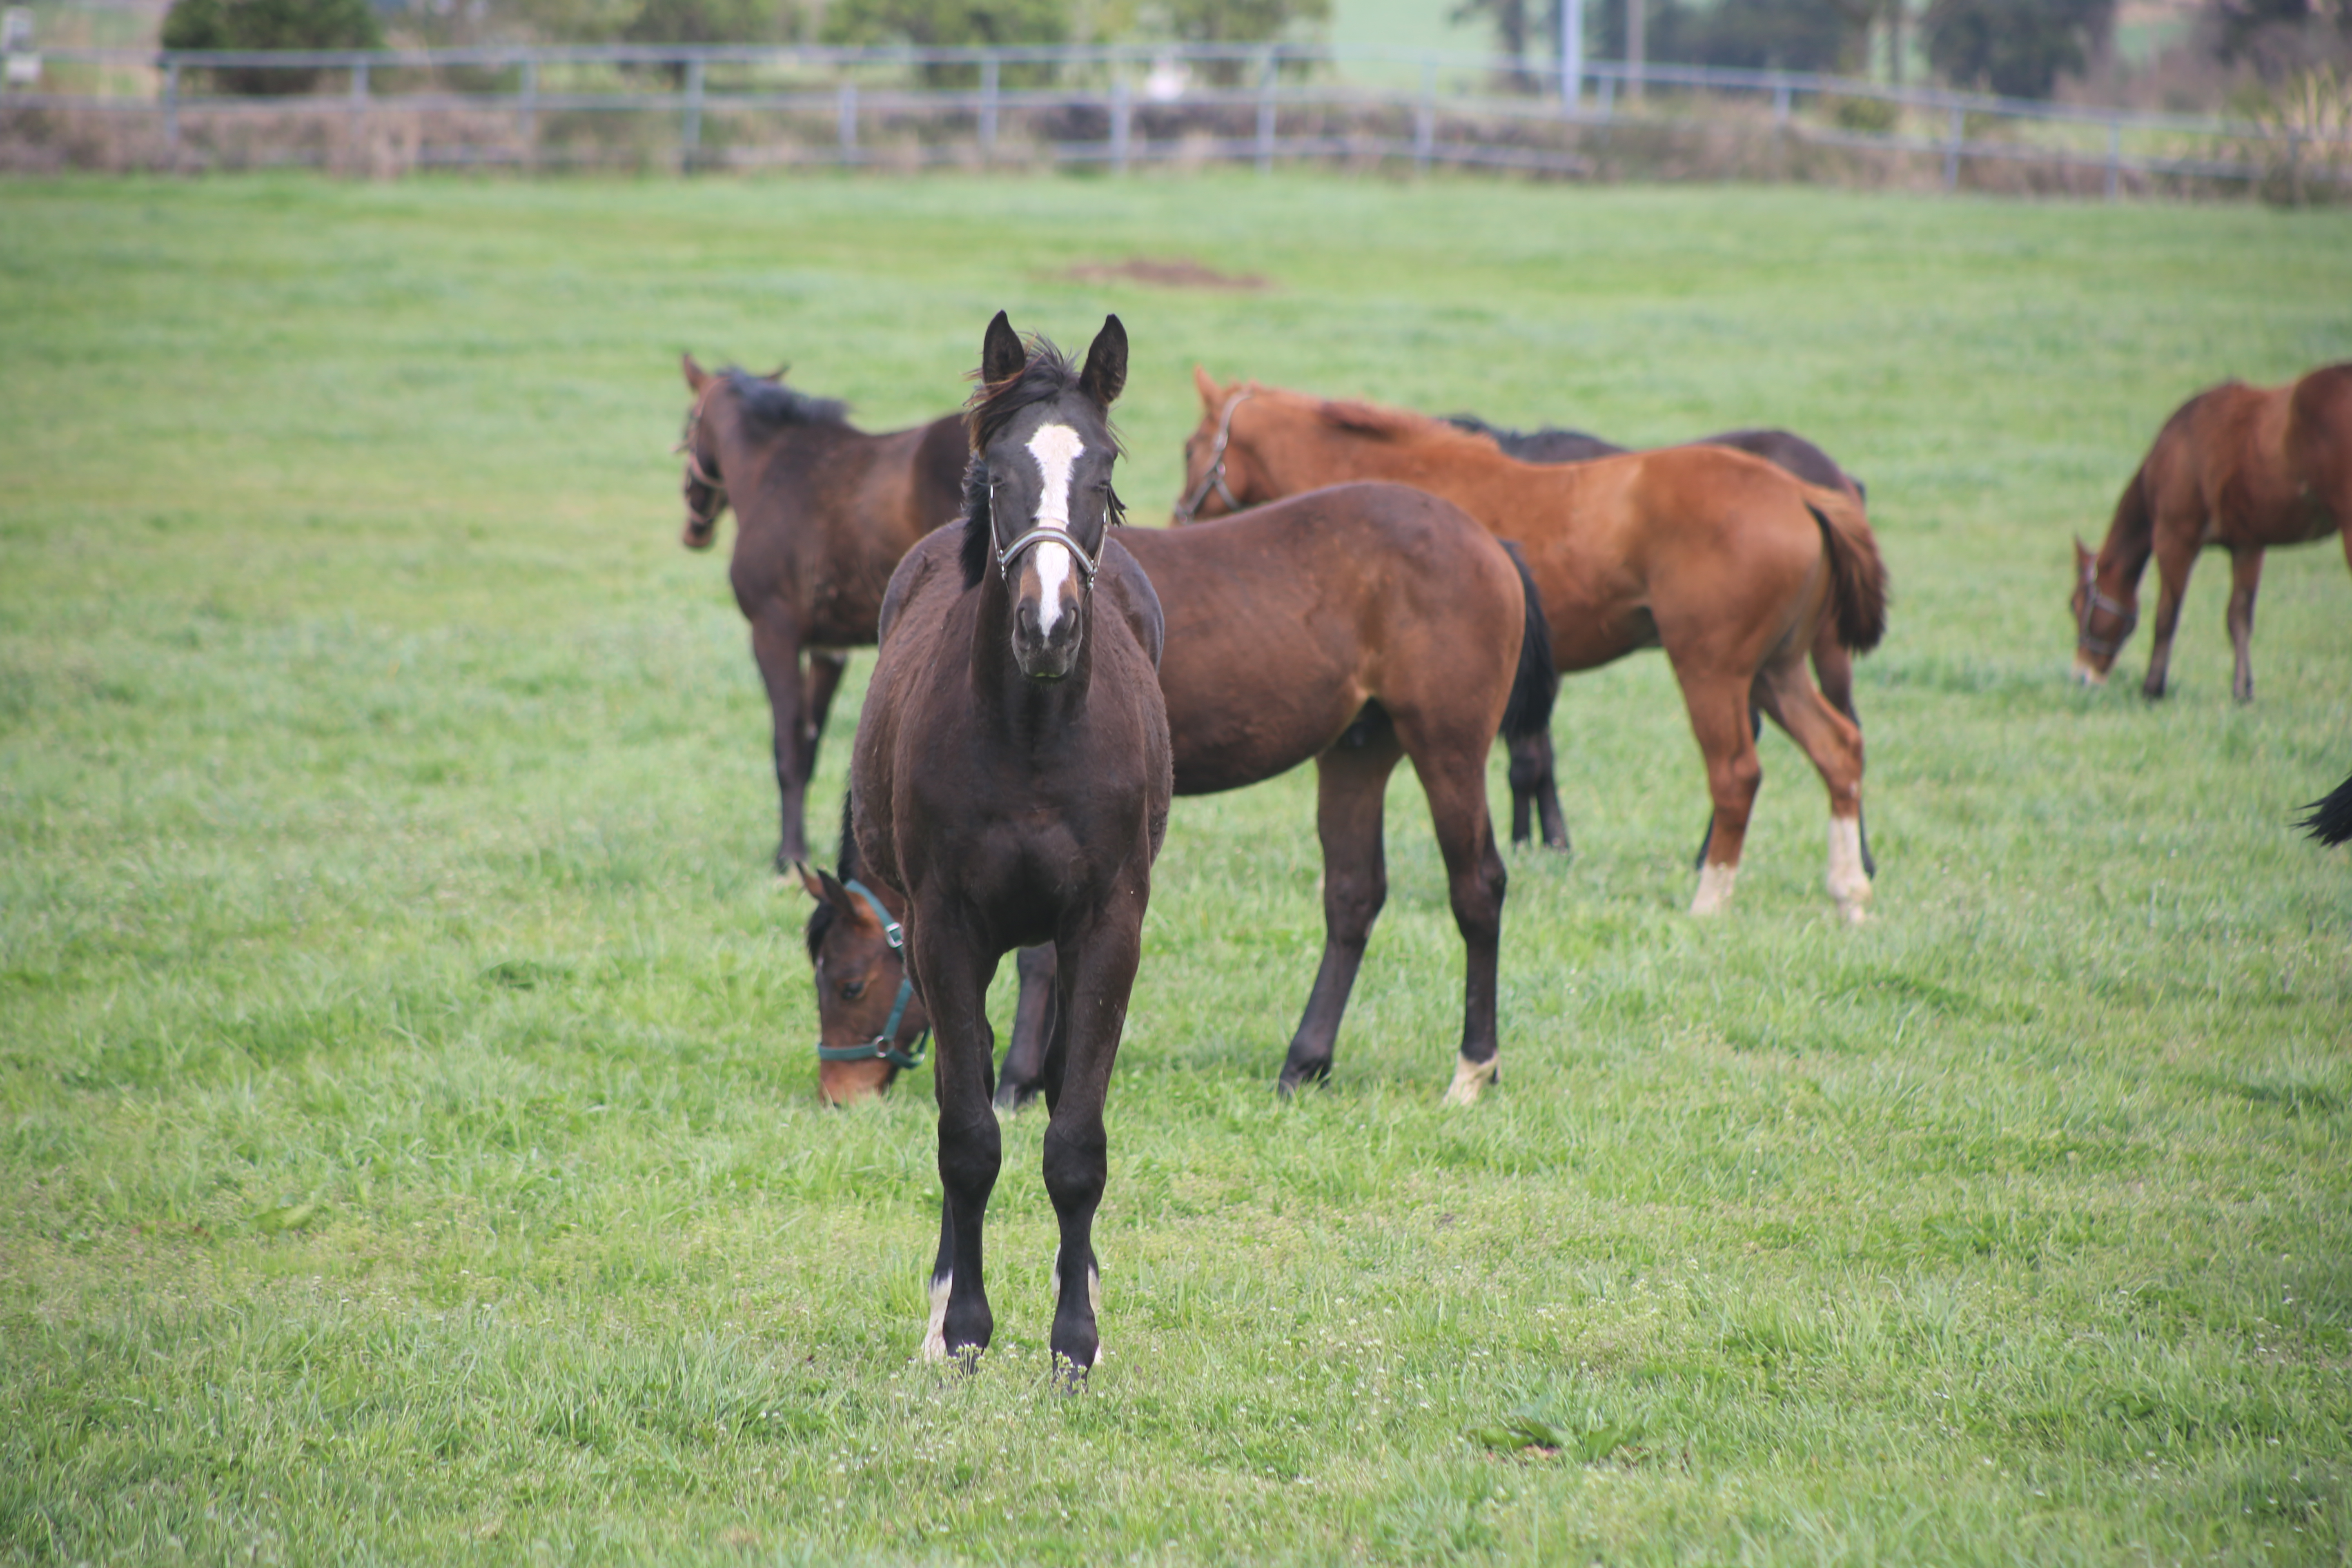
column 1833, row 672
column 1033, row 1027
column 1722, row 719
column 1834, row 743
column 1707, row 838
column 1350, row 786
column 1535, row 792
column 1453, row 777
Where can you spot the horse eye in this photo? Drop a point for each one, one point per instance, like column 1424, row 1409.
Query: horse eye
column 851, row 990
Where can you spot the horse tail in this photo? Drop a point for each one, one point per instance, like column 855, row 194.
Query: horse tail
column 2330, row 821
column 1857, row 574
column 1536, row 683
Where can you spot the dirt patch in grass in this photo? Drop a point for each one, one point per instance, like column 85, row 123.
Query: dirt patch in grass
column 1164, row 272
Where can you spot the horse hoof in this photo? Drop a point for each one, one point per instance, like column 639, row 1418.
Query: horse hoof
column 1714, row 895
column 1471, row 1079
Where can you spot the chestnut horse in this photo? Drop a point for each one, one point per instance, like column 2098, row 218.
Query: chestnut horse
column 1010, row 779
column 1358, row 625
column 1833, row 666
column 1723, row 559
column 2236, row 468
column 822, row 513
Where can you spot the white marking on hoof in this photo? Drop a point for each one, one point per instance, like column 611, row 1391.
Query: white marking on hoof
column 1714, row 895
column 1471, row 1079
column 935, row 1340
column 1849, row 884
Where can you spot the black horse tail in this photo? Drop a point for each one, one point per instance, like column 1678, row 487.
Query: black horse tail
column 1857, row 574
column 1529, row 712
column 2330, row 821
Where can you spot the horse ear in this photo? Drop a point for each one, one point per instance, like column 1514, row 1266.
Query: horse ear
column 695, row 376
column 1106, row 373
column 814, row 880
column 1000, row 354
column 2082, row 557
column 1211, row 394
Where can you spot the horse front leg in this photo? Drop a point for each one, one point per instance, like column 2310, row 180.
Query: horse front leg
column 824, row 672
column 1096, row 975
column 2172, row 564
column 776, row 647
column 1033, row 1026
column 1351, row 784
column 954, row 971
column 2245, row 578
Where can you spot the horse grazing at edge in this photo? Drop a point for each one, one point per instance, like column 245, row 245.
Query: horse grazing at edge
column 1358, row 625
column 1833, row 665
column 1720, row 558
column 1010, row 779
column 823, row 512
column 2236, row 468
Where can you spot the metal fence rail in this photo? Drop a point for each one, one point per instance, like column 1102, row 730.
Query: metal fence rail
column 1114, row 105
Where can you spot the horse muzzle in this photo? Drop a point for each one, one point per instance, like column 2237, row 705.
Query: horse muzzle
column 2087, row 672
column 698, row 534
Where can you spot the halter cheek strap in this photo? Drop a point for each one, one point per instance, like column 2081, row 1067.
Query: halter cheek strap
column 701, row 476
column 2093, row 602
column 885, row 1047
column 1214, row 479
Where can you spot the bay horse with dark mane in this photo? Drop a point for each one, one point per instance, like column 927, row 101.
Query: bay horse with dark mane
column 2236, row 468
column 1725, row 560
column 822, row 513
column 1833, row 665
column 1358, row 626
column 1011, row 780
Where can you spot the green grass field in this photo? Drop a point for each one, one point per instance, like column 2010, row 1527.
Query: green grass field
column 408, row 1145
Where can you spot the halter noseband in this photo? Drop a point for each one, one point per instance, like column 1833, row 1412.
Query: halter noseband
column 1214, row 479
column 2093, row 602
column 885, row 1047
column 1045, row 534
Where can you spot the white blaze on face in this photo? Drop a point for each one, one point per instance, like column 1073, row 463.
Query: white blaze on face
column 1056, row 449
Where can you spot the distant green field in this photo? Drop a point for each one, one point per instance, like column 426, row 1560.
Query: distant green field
column 408, row 1147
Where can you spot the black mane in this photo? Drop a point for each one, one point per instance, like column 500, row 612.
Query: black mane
column 821, row 918
column 771, row 404
column 1048, row 374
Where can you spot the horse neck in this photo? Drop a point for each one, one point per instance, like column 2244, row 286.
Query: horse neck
column 2131, row 535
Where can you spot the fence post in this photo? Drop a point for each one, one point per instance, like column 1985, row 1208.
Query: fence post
column 1952, row 150
column 358, row 104
column 988, row 109
column 2114, row 157
column 527, row 111
column 689, row 130
column 171, row 107
column 1266, row 113
column 1780, row 104
column 1122, row 116
column 845, row 114
column 1424, row 116
column 1572, row 55
column 1607, row 85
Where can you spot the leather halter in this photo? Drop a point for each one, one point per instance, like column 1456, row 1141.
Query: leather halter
column 1045, row 533
column 885, row 1047
column 2093, row 602
column 701, row 476
column 1214, row 478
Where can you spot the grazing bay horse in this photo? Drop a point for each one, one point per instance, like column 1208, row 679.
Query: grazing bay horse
column 822, row 513
column 1833, row 665
column 1011, row 781
column 1725, row 560
column 1358, row 626
column 2236, row 468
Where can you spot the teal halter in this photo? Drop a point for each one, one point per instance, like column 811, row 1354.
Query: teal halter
column 884, row 1046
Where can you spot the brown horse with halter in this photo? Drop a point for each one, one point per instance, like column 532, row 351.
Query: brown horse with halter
column 1359, row 626
column 1833, row 665
column 1725, row 560
column 823, row 512
column 2236, row 468
column 1010, row 779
